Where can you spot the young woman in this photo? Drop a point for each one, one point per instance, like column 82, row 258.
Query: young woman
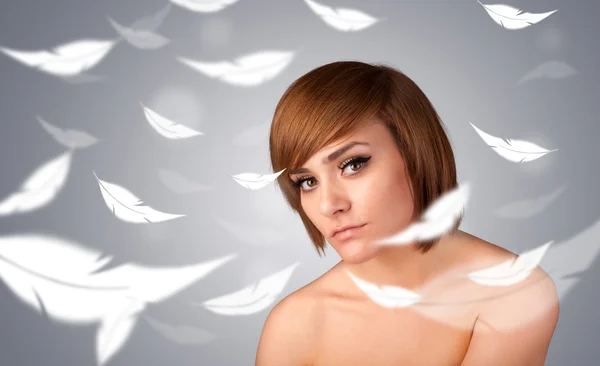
column 364, row 149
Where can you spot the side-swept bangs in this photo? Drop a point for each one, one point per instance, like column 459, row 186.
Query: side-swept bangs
column 334, row 100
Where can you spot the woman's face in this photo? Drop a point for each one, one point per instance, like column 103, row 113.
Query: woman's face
column 359, row 180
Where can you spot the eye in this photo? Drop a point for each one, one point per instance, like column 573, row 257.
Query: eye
column 298, row 183
column 355, row 163
column 357, row 160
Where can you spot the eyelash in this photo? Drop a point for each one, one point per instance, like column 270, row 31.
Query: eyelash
column 357, row 159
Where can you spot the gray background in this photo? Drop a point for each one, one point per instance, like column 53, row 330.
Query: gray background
column 467, row 64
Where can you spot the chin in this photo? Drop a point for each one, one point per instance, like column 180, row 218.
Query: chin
column 354, row 252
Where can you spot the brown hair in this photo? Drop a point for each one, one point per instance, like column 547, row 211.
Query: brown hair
column 332, row 101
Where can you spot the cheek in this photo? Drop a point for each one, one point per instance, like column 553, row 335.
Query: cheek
column 387, row 200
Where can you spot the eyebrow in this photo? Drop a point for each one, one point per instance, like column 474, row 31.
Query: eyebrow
column 334, row 155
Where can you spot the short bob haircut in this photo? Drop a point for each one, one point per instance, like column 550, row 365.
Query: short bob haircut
column 334, row 100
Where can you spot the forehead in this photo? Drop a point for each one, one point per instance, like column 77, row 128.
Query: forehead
column 368, row 132
column 369, row 135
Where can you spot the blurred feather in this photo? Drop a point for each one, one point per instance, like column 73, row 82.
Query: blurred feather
column 62, row 279
column 448, row 299
column 177, row 183
column 115, row 329
column 566, row 261
column 40, row 188
column 250, row 70
column 511, row 271
column 253, row 136
column 142, row 39
column 438, row 218
column 342, row 19
column 181, row 334
column 528, row 208
column 168, row 128
column 386, row 296
column 549, row 70
column 256, row 181
column 204, row 6
column 82, row 78
column 254, row 297
column 69, row 138
column 152, row 23
column 253, row 234
column 67, row 59
column 66, row 278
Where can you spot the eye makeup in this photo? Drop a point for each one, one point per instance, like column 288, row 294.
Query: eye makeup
column 353, row 160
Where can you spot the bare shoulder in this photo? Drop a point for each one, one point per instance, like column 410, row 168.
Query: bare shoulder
column 288, row 334
column 487, row 253
column 531, row 299
column 475, row 252
column 518, row 319
column 303, row 299
column 479, row 253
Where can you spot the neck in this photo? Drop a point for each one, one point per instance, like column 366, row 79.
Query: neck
column 403, row 266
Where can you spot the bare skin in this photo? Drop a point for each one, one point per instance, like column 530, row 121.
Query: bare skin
column 350, row 329
column 331, row 321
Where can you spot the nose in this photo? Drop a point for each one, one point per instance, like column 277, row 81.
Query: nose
column 333, row 198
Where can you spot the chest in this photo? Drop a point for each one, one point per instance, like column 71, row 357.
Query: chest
column 392, row 338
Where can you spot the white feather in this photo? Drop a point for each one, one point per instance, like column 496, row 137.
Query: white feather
column 256, row 181
column 253, row 234
column 177, row 183
column 204, row 6
column 40, row 187
column 560, row 261
column 253, row 136
column 154, row 21
column 182, row 334
column 62, row 277
column 438, row 219
column 513, row 18
column 128, row 207
column 72, row 139
column 57, row 258
column 166, row 127
column 527, row 208
column 549, row 70
column 54, row 275
column 82, row 78
column 250, row 70
column 155, row 284
column 342, row 19
column 254, row 297
column 386, row 296
column 65, row 60
column 517, row 151
column 142, row 39
column 115, row 329
column 566, row 261
column 511, row 272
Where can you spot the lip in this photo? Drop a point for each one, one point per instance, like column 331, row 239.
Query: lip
column 346, row 232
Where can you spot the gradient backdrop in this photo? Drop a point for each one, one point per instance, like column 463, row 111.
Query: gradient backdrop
column 467, row 64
